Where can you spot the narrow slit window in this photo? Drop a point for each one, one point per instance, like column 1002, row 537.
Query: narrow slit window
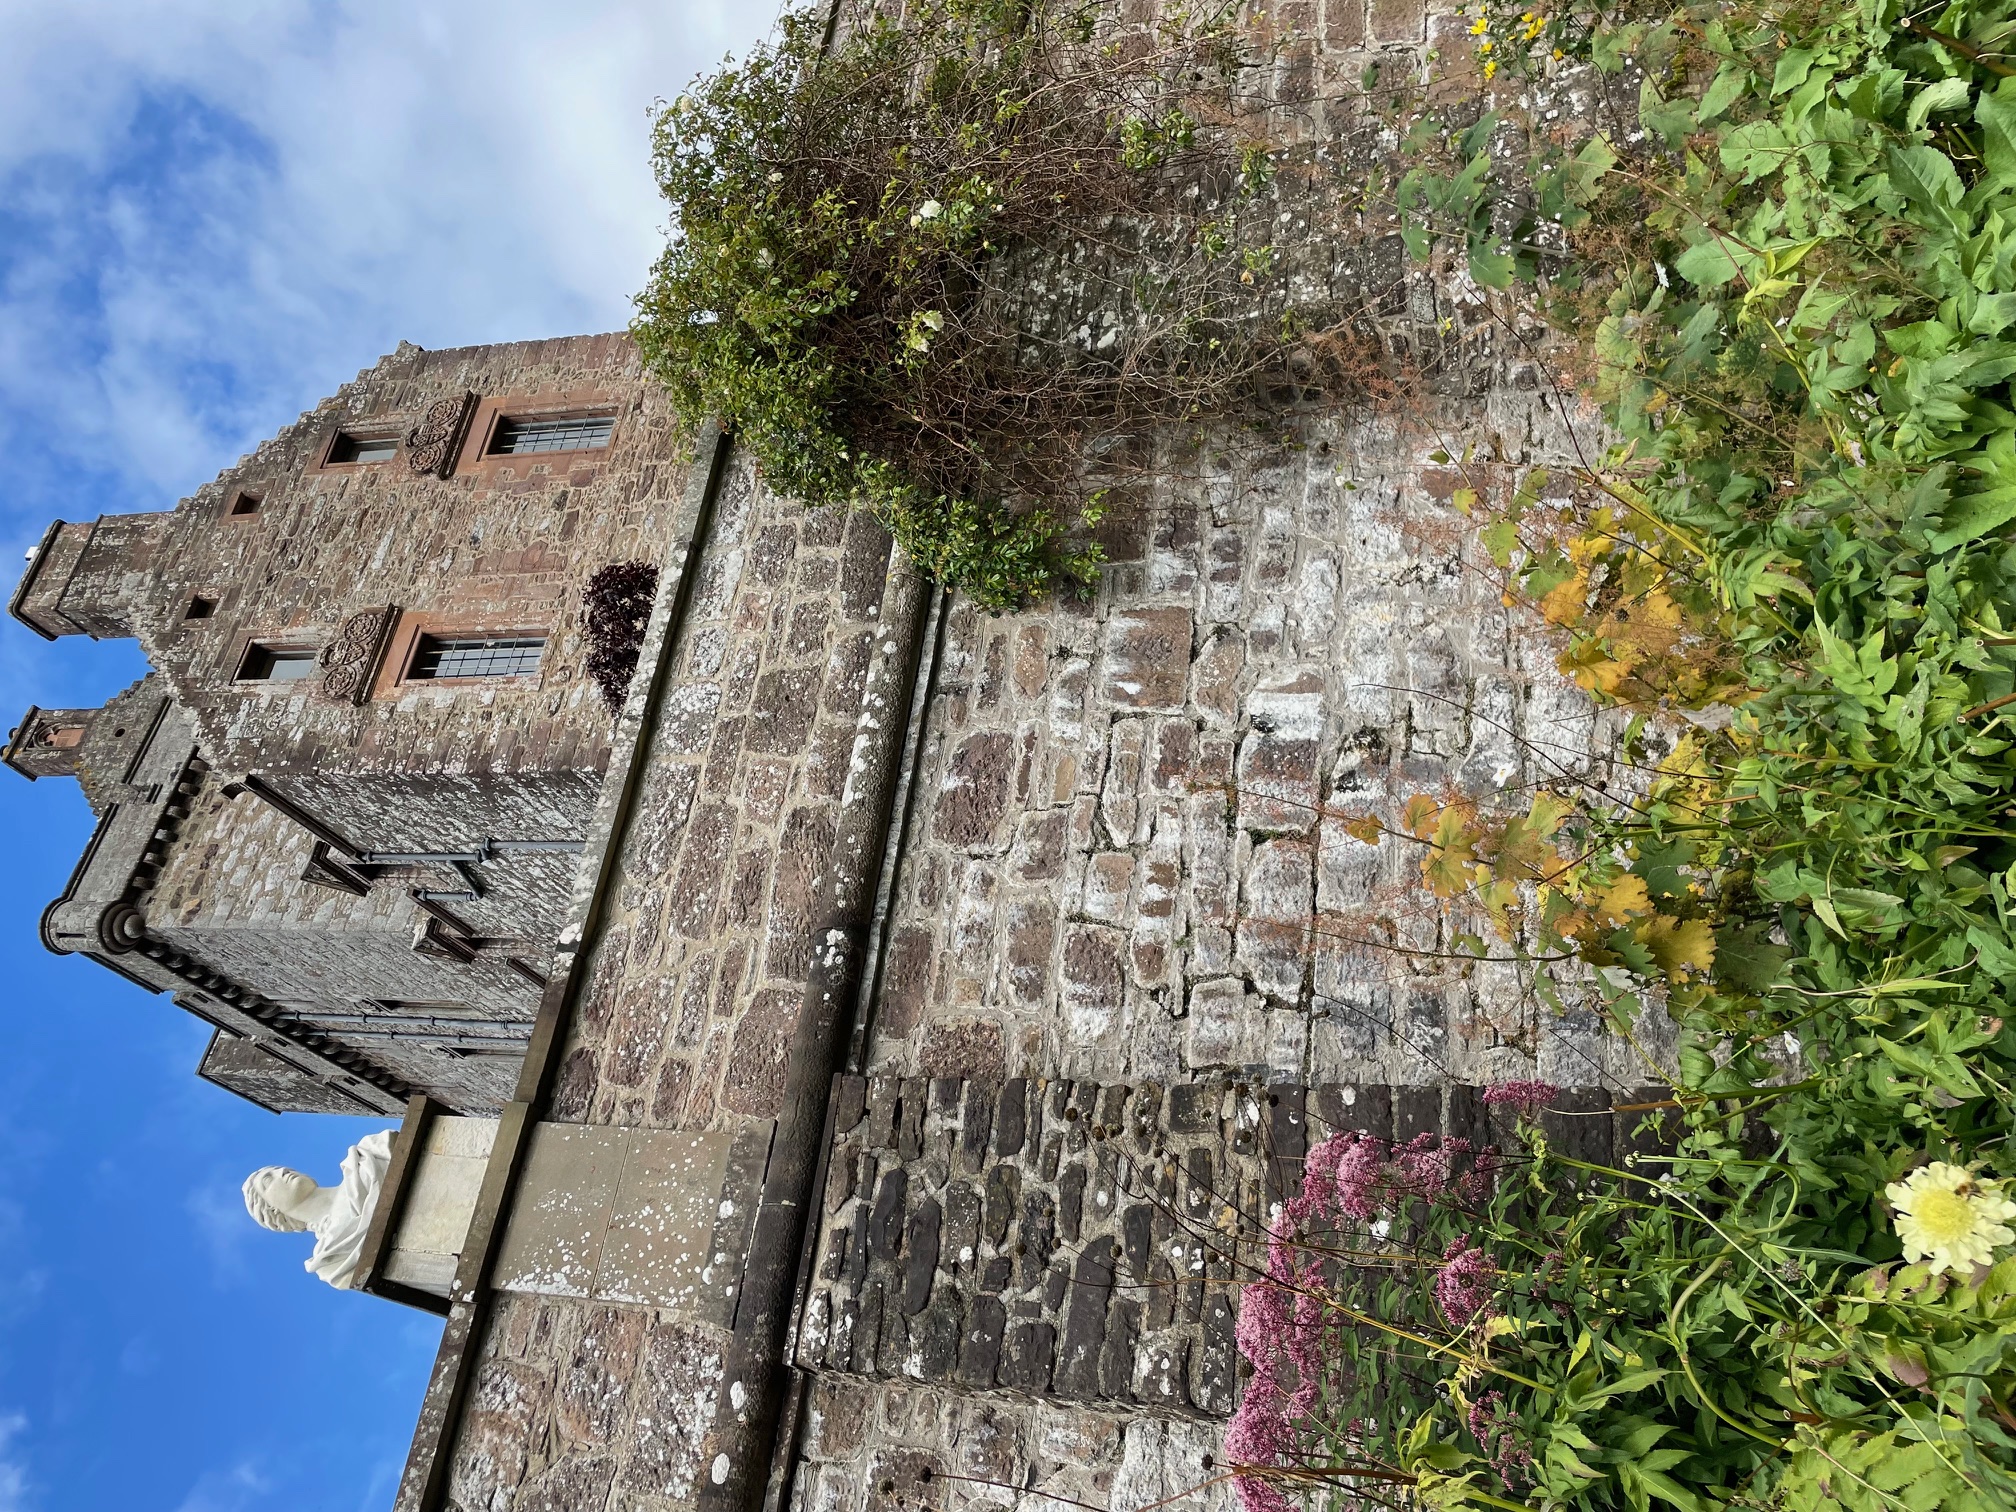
column 551, row 433
column 446, row 656
column 276, row 664
column 351, row 448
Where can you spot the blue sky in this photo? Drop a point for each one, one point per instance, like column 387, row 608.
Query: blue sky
column 212, row 213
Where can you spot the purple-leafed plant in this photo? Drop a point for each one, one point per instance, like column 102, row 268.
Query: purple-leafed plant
column 617, row 607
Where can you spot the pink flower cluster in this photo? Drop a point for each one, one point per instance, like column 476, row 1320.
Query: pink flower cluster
column 1529, row 1097
column 1285, row 1323
column 1356, row 1177
column 1497, row 1431
column 1463, row 1285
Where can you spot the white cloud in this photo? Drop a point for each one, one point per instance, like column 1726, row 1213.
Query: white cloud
column 13, row 1473
column 228, row 1232
column 221, row 210
column 231, row 1490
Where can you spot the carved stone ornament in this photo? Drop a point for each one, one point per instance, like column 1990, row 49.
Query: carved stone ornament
column 351, row 660
column 433, row 444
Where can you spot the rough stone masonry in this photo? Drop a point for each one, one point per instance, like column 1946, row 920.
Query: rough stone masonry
column 1018, row 957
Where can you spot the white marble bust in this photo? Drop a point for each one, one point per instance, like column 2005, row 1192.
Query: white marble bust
column 288, row 1202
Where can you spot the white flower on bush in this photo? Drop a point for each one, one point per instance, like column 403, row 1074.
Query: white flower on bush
column 1950, row 1218
column 929, row 210
column 924, row 325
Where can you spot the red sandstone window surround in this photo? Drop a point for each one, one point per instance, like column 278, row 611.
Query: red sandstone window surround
column 349, row 448
column 268, row 663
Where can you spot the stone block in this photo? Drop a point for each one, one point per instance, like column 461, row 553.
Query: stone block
column 1214, row 1381
column 889, row 1215
column 976, row 1123
column 1161, row 1372
column 1003, row 1199
column 964, row 1048
column 1035, row 1234
column 974, row 791
column 1193, row 1107
column 920, row 1256
column 781, row 717
column 1277, row 766
column 1026, row 1363
column 1577, row 1124
column 1277, row 910
column 1091, row 1289
column 762, row 1043
column 1071, row 1202
column 1010, row 1121
column 1027, row 970
column 1109, row 878
column 1216, row 1028
column 936, row 1336
column 962, row 1227
column 980, row 1344
column 1416, row 1111
column 568, row 1484
column 1146, row 659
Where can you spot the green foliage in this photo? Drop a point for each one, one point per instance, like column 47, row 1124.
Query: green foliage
column 1797, row 300
column 849, row 222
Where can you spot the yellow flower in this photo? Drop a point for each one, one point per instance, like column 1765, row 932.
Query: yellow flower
column 1480, row 28
column 1948, row 1218
column 1490, row 68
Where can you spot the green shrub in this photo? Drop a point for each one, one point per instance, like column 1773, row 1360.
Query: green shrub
column 859, row 233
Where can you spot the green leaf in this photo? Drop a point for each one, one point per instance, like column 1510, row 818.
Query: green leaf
column 1491, row 268
column 1756, row 150
column 1972, row 517
column 1731, row 83
column 1793, row 65
column 1827, row 916
column 1926, row 176
column 1946, row 94
column 1996, row 114
column 1501, row 539
column 1707, row 265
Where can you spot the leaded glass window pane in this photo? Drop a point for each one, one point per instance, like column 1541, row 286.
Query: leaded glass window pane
column 440, row 656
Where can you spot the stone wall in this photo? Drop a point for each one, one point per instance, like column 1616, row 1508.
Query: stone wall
column 505, row 543
column 1128, row 856
column 697, row 981
column 1130, row 961
column 880, row 1446
column 692, row 985
column 580, row 1406
column 1057, row 1239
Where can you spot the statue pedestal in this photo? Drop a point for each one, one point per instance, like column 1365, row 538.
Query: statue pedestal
column 423, row 1212
column 606, row 1213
